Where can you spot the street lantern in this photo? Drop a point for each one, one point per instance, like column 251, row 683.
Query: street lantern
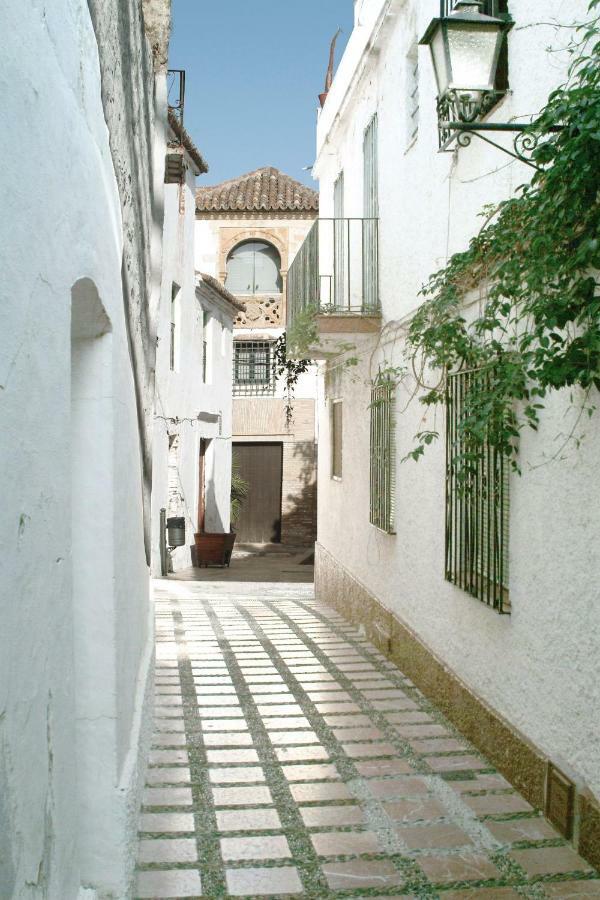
column 465, row 48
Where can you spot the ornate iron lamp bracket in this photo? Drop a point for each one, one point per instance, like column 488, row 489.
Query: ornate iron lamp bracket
column 457, row 124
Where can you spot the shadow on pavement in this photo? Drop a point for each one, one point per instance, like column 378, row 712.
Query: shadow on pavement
column 258, row 563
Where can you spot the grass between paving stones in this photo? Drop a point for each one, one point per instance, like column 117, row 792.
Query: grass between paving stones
column 416, row 883
column 304, row 856
column 514, row 875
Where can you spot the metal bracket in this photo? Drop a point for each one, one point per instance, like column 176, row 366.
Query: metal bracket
column 461, row 129
column 176, row 96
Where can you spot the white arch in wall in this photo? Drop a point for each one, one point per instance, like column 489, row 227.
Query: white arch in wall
column 92, row 566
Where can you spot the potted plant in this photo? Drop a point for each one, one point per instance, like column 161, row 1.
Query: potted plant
column 216, row 548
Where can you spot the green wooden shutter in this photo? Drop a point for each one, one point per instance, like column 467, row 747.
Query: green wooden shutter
column 370, row 300
column 339, row 245
column 336, row 438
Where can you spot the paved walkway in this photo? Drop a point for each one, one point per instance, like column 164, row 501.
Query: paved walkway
column 290, row 758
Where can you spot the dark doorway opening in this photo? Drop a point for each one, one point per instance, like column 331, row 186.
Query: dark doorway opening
column 261, row 465
column 202, row 484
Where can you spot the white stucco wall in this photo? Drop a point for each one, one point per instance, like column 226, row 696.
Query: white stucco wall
column 76, row 638
column 202, row 315
column 539, row 668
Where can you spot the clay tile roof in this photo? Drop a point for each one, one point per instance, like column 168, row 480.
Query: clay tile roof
column 220, row 288
column 188, row 143
column 265, row 190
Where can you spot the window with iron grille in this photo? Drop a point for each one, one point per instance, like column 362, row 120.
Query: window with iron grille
column 477, row 501
column 253, row 367
column 383, row 456
column 336, row 438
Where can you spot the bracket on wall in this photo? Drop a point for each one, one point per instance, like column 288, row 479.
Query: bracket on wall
column 524, row 142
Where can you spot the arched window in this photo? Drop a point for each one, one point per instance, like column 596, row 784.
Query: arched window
column 253, row 267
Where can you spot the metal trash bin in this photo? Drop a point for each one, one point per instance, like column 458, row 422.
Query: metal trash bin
column 176, row 531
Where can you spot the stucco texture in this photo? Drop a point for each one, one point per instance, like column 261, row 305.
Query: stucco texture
column 538, row 668
column 75, row 642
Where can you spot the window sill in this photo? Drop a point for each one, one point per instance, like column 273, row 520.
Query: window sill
column 392, row 533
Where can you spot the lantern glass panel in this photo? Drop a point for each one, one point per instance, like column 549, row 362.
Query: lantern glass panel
column 473, row 54
column 440, row 60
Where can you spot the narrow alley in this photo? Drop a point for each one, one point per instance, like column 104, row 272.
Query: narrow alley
column 300, row 437
column 290, row 757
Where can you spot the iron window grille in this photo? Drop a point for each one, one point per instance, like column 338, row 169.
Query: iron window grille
column 253, row 368
column 336, row 438
column 383, row 456
column 477, row 501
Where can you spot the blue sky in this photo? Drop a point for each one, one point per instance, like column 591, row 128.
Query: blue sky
column 254, row 69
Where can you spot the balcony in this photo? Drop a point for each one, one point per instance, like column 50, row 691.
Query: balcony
column 335, row 277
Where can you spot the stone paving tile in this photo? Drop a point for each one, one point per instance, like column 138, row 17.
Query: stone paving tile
column 363, row 873
column 178, row 850
column 168, row 883
column 290, row 758
column 265, row 882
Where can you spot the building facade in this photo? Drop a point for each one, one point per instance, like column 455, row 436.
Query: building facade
column 81, row 283
column 522, row 686
column 193, row 409
column 247, row 231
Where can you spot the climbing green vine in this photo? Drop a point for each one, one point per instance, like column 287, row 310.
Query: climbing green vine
column 290, row 371
column 536, row 261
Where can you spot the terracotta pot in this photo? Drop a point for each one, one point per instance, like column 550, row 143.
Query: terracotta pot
column 213, row 549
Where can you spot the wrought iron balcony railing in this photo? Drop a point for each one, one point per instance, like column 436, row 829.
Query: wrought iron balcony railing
column 335, row 272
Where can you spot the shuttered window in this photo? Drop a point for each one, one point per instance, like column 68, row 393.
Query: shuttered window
column 383, row 457
column 336, row 438
column 370, row 298
column 174, row 327
column 412, row 93
column 253, row 267
column 477, row 502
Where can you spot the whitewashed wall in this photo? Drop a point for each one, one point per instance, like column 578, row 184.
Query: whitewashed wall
column 201, row 315
column 76, row 634
column 539, row 668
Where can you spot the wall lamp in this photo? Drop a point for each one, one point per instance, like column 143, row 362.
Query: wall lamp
column 465, row 49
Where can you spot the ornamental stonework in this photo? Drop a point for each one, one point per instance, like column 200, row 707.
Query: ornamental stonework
column 261, row 312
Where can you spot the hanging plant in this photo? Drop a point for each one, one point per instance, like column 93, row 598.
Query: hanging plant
column 536, row 261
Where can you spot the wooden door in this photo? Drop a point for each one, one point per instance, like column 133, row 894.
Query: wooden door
column 261, row 466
